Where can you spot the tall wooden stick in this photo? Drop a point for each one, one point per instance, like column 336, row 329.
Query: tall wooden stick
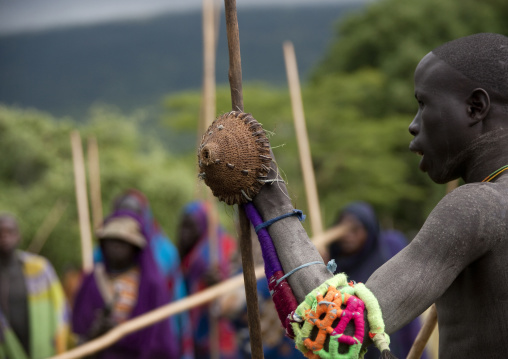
column 155, row 316
column 309, row 178
column 208, row 106
column 208, row 109
column 47, row 226
column 430, row 323
column 82, row 202
column 235, row 83
column 450, row 186
column 424, row 334
column 179, row 306
column 95, row 182
column 209, row 57
column 235, row 60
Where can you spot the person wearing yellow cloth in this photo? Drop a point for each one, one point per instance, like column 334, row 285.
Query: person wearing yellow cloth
column 34, row 318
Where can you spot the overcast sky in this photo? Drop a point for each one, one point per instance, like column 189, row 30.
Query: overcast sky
column 27, row 15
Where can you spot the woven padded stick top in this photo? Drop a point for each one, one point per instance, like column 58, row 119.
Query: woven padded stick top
column 234, row 157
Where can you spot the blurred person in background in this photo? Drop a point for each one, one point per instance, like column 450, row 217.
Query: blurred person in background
column 362, row 250
column 199, row 273
column 33, row 311
column 126, row 284
column 167, row 259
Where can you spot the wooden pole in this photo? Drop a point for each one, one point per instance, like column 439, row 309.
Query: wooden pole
column 450, row 186
column 82, row 202
column 179, row 306
column 208, row 109
column 235, row 83
column 430, row 323
column 155, row 316
column 209, row 57
column 213, row 229
column 47, row 226
column 309, row 178
column 424, row 334
column 95, row 182
column 323, row 239
column 235, row 61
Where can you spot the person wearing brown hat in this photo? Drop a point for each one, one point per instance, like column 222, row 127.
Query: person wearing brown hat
column 125, row 285
column 120, row 241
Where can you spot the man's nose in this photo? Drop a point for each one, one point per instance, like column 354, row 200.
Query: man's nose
column 414, row 128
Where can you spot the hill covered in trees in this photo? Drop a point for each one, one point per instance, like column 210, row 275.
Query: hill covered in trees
column 133, row 64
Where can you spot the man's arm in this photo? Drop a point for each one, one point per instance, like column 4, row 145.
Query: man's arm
column 456, row 233
column 459, row 230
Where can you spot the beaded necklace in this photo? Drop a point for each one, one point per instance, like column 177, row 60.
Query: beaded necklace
column 495, row 174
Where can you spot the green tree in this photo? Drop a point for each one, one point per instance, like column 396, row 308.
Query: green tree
column 365, row 83
column 36, row 171
column 393, row 35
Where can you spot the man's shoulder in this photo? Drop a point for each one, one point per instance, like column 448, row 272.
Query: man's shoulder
column 480, row 203
column 480, row 193
column 33, row 263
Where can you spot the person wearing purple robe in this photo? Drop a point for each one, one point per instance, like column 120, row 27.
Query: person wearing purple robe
column 126, row 285
column 363, row 249
column 200, row 272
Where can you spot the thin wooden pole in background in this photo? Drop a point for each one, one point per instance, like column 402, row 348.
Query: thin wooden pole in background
column 181, row 305
column 235, row 84
column 47, row 226
column 208, row 109
column 303, row 139
column 95, row 182
column 424, row 334
column 82, row 201
column 209, row 58
column 450, row 186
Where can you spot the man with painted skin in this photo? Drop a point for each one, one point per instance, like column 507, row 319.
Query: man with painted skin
column 459, row 258
column 33, row 312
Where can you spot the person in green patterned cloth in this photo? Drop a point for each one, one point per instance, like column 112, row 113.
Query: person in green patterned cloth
column 33, row 311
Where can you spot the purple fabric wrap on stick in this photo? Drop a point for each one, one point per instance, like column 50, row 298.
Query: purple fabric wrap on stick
column 270, row 257
column 282, row 294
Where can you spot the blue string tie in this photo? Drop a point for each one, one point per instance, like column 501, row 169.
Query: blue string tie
column 296, row 212
column 331, row 266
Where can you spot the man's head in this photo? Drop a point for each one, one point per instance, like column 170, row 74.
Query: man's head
column 131, row 200
column 192, row 226
column 188, row 233
column 9, row 234
column 121, row 241
column 362, row 228
column 462, row 91
column 355, row 237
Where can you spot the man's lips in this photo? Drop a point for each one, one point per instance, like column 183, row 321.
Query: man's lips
column 419, row 152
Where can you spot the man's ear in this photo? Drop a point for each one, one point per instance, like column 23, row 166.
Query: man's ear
column 478, row 106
